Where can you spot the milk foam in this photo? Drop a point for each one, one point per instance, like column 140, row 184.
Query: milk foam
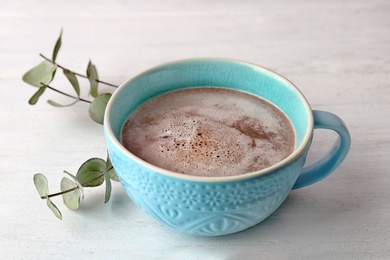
column 209, row 132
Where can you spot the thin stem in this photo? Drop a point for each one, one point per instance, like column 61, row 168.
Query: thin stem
column 66, row 94
column 78, row 74
column 106, row 83
column 72, row 189
column 62, row 67
column 59, row 193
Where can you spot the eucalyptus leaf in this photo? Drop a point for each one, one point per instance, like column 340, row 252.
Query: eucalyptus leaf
column 34, row 99
column 73, row 80
column 76, row 181
column 108, row 163
column 57, row 47
column 72, row 198
column 91, row 170
column 112, row 174
column 54, row 208
column 42, row 73
column 108, row 188
column 110, row 170
column 93, row 77
column 98, row 107
column 55, row 104
column 41, row 185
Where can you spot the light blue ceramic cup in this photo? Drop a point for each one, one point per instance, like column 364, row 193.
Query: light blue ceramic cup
column 213, row 206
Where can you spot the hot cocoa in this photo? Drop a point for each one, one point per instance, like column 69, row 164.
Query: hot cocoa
column 209, row 132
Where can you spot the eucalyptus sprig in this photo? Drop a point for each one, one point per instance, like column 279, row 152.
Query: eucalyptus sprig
column 43, row 74
column 92, row 173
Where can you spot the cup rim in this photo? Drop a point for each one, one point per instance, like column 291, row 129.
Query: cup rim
column 294, row 155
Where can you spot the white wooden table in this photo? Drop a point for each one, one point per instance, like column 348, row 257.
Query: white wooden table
column 336, row 52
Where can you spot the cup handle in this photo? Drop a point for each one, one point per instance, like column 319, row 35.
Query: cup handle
column 330, row 161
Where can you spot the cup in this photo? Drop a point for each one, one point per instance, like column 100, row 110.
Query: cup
column 213, row 206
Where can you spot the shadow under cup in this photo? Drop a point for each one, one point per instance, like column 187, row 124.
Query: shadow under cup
column 207, row 206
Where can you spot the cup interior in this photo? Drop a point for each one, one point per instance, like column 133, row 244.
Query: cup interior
column 211, row 72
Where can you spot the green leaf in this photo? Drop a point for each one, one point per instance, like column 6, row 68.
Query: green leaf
column 57, row 47
column 93, row 77
column 112, row 174
column 73, row 80
column 110, row 170
column 91, row 170
column 108, row 163
column 41, row 185
column 108, row 188
column 42, row 73
column 54, row 208
column 98, row 107
column 76, row 181
column 55, row 104
column 72, row 198
column 34, row 99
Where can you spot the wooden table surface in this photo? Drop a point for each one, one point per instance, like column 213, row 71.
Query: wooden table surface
column 336, row 52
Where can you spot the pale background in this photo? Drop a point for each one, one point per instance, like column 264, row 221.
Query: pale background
column 336, row 52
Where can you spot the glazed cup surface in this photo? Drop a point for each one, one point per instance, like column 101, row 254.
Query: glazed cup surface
column 208, row 206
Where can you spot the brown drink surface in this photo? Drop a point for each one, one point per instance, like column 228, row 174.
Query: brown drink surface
column 209, row 132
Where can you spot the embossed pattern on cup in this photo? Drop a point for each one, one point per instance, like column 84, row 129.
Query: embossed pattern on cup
column 202, row 208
